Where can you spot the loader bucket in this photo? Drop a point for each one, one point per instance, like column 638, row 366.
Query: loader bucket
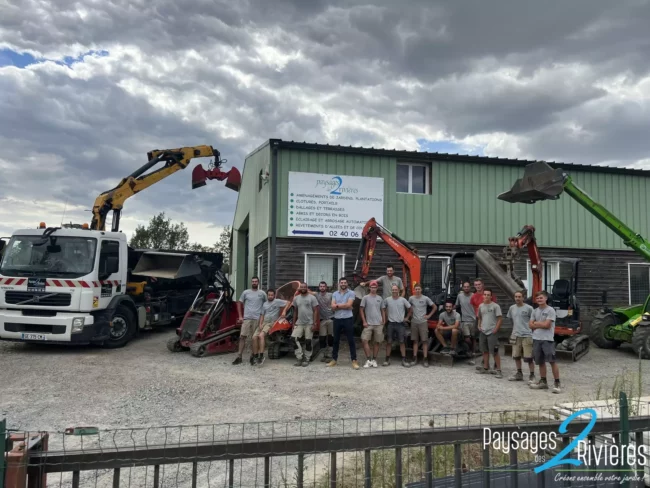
column 490, row 265
column 167, row 265
column 287, row 291
column 540, row 182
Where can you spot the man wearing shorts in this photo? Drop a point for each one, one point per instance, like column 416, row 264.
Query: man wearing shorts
column 489, row 323
column 306, row 313
column 387, row 281
column 419, row 325
column 448, row 324
column 326, row 327
column 542, row 324
column 270, row 313
column 249, row 308
column 467, row 316
column 396, row 307
column 476, row 301
column 373, row 315
column 520, row 313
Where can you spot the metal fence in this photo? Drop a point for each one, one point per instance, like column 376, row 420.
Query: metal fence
column 442, row 450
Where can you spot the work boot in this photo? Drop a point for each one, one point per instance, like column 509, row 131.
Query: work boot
column 425, row 362
column 298, row 362
column 260, row 360
column 482, row 370
column 518, row 376
column 305, row 363
column 386, row 362
column 414, row 362
column 540, row 385
column 499, row 374
column 252, row 360
column 405, row 363
column 531, row 378
column 331, row 363
column 355, row 364
column 557, row 388
column 237, row 360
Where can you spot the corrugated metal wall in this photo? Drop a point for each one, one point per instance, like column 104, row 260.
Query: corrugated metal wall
column 463, row 207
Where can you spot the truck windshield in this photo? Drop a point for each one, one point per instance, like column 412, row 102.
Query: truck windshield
column 32, row 255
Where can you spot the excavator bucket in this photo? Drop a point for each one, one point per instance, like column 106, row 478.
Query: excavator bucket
column 167, row 265
column 288, row 290
column 507, row 283
column 540, row 182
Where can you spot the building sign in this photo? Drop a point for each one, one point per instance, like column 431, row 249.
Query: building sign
column 331, row 205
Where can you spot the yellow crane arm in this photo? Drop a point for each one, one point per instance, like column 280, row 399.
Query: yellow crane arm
column 173, row 159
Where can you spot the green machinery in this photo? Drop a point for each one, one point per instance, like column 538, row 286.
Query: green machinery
column 611, row 327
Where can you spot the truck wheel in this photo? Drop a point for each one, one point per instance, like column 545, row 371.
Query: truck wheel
column 123, row 328
column 597, row 331
column 197, row 350
column 174, row 345
column 641, row 341
column 274, row 350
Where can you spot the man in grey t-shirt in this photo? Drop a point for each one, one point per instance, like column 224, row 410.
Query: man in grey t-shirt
column 419, row 323
column 448, row 324
column 396, row 308
column 542, row 324
column 387, row 281
column 249, row 308
column 489, row 323
column 271, row 311
column 326, row 326
column 373, row 315
column 467, row 317
column 306, row 316
column 522, row 337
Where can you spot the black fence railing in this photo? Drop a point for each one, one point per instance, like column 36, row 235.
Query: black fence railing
column 495, row 449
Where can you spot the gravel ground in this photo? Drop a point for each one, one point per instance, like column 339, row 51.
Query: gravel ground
column 143, row 384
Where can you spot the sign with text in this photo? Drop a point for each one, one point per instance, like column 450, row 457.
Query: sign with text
column 333, row 206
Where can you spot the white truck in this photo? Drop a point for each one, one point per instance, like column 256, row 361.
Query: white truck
column 75, row 285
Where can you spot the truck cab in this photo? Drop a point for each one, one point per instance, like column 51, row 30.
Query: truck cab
column 62, row 285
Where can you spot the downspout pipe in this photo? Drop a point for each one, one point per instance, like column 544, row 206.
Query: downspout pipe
column 274, row 212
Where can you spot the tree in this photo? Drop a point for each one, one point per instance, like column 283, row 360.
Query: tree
column 223, row 244
column 161, row 234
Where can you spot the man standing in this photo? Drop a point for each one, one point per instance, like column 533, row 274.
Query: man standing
column 326, row 328
column 342, row 303
column 476, row 301
column 252, row 302
column 397, row 307
column 467, row 316
column 306, row 313
column 448, row 324
column 542, row 324
column 373, row 315
column 520, row 313
column 419, row 325
column 489, row 323
column 387, row 281
column 270, row 313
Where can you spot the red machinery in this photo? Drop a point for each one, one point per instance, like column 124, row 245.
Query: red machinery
column 210, row 325
column 214, row 172
column 279, row 341
column 571, row 344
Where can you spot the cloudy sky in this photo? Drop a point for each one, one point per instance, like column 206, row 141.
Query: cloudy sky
column 88, row 87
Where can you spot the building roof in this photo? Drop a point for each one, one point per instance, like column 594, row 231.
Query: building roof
column 460, row 158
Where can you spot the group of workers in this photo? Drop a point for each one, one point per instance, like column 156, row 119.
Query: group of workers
column 479, row 321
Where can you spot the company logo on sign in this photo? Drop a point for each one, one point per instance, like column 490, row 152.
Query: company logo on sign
column 335, row 186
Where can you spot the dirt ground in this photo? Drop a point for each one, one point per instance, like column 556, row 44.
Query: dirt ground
column 143, row 384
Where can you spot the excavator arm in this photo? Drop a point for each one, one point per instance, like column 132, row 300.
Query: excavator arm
column 407, row 254
column 526, row 238
column 173, row 160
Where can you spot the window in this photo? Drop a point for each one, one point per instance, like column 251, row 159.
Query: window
column 413, row 178
column 109, row 249
column 555, row 272
column 324, row 267
column 434, row 271
column 639, row 278
column 260, row 269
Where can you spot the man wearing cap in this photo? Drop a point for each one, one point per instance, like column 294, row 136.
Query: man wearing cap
column 373, row 315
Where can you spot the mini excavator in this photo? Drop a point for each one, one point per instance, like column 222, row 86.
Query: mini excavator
column 571, row 344
column 174, row 160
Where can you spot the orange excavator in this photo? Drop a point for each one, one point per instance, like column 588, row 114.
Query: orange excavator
column 570, row 343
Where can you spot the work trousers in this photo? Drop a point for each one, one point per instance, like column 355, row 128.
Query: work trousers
column 344, row 326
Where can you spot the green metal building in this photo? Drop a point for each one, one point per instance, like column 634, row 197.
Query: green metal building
column 438, row 203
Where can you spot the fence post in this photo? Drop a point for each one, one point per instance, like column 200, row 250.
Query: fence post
column 625, row 433
column 3, row 439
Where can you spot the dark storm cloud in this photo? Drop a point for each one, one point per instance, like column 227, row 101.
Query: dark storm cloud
column 556, row 80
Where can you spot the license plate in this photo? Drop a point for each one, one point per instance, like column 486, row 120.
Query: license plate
column 34, row 337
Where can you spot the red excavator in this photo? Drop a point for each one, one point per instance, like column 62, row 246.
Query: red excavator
column 434, row 285
column 571, row 344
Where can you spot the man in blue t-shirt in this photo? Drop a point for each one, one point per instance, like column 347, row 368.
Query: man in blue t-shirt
column 342, row 302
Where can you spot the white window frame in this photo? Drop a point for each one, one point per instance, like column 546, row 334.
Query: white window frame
column 427, row 170
column 629, row 279
column 260, row 265
column 329, row 254
column 554, row 267
column 445, row 266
